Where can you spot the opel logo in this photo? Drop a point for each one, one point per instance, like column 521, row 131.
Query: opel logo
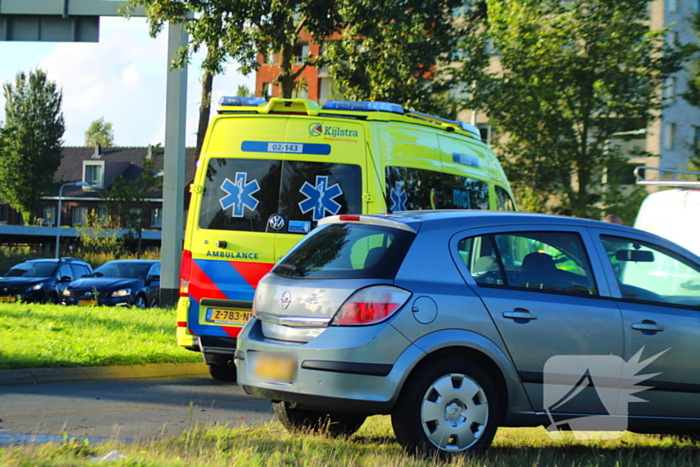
column 276, row 222
column 285, row 299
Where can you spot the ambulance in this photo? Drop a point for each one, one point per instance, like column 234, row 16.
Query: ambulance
column 270, row 170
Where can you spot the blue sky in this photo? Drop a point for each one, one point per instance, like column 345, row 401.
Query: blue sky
column 122, row 78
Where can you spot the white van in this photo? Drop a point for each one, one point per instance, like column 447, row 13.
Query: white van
column 673, row 214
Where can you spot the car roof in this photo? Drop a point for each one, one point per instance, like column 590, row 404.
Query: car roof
column 134, row 261
column 448, row 218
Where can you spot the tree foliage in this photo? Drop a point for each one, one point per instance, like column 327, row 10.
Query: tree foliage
column 126, row 198
column 240, row 30
column 572, row 74
column 395, row 51
column 99, row 132
column 31, row 153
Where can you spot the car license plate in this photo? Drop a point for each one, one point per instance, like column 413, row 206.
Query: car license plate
column 271, row 367
column 217, row 315
column 87, row 302
column 8, row 299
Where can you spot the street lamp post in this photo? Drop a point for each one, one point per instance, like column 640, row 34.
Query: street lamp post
column 58, row 214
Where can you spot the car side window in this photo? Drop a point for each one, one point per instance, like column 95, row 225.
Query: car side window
column 649, row 273
column 547, row 261
column 65, row 270
column 79, row 270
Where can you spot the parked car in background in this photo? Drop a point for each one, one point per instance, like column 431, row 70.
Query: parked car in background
column 456, row 323
column 131, row 282
column 40, row 280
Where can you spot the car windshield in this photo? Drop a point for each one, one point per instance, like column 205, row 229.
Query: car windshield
column 122, row 270
column 344, row 251
column 33, row 269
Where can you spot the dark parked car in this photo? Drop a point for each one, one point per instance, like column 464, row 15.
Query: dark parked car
column 456, row 323
column 125, row 283
column 40, row 280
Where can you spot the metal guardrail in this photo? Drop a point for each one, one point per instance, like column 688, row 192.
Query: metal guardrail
column 673, row 175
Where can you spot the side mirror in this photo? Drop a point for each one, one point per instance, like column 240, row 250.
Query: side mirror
column 153, row 278
column 638, row 256
column 65, row 279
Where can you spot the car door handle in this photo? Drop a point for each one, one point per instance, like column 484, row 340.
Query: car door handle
column 519, row 314
column 647, row 326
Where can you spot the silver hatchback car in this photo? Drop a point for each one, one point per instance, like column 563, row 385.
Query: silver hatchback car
column 458, row 322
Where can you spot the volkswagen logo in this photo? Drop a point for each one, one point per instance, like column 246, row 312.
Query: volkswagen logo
column 285, row 299
column 276, row 222
column 88, row 294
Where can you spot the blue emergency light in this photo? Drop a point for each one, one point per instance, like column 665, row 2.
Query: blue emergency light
column 364, row 106
column 233, row 101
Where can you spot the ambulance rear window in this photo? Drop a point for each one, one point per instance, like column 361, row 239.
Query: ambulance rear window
column 243, row 194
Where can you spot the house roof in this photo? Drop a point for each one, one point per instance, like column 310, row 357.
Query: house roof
column 118, row 161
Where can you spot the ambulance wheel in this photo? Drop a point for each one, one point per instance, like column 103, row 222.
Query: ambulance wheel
column 223, row 373
column 335, row 425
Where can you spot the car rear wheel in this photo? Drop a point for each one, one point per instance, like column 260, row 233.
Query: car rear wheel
column 295, row 419
column 448, row 407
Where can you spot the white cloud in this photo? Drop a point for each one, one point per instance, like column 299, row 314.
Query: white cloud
column 131, row 74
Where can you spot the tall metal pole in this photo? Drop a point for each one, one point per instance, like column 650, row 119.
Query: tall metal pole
column 172, row 233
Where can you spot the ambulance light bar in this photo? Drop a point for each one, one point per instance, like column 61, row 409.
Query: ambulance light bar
column 364, row 106
column 233, row 101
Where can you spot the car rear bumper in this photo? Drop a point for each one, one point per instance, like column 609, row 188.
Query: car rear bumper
column 358, row 369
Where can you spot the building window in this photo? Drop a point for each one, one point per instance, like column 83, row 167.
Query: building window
column 301, row 90
column 3, row 213
column 301, row 50
column 79, row 215
column 49, row 215
column 93, row 174
column 672, row 5
column 669, row 135
column 669, row 89
column 156, row 217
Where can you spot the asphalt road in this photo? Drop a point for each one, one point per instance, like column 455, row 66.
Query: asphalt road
column 125, row 410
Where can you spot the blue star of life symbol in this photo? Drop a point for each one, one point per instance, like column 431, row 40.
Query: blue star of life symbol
column 320, row 198
column 239, row 194
column 399, row 197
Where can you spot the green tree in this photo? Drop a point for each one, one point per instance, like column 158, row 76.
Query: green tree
column 395, row 51
column 34, row 126
column 243, row 91
column 125, row 199
column 99, row 235
column 99, row 132
column 240, row 30
column 571, row 75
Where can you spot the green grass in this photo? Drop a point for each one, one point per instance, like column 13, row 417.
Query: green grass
column 373, row 445
column 47, row 336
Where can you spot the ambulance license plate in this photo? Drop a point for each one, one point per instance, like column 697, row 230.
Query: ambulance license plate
column 9, row 299
column 87, row 302
column 217, row 315
column 272, row 367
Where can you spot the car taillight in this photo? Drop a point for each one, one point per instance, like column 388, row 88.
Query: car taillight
column 185, row 271
column 371, row 305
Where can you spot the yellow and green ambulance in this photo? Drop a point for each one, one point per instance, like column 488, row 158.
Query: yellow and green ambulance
column 270, row 170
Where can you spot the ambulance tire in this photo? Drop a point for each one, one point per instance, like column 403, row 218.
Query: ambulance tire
column 223, row 373
column 335, row 425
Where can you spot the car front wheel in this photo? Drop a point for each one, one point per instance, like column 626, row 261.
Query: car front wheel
column 140, row 302
column 450, row 406
column 295, row 419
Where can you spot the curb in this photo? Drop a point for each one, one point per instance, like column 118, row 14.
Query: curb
column 63, row 375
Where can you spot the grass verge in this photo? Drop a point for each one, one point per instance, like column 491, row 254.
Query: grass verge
column 49, row 336
column 373, row 445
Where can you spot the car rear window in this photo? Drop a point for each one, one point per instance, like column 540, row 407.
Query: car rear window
column 345, row 251
column 242, row 194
